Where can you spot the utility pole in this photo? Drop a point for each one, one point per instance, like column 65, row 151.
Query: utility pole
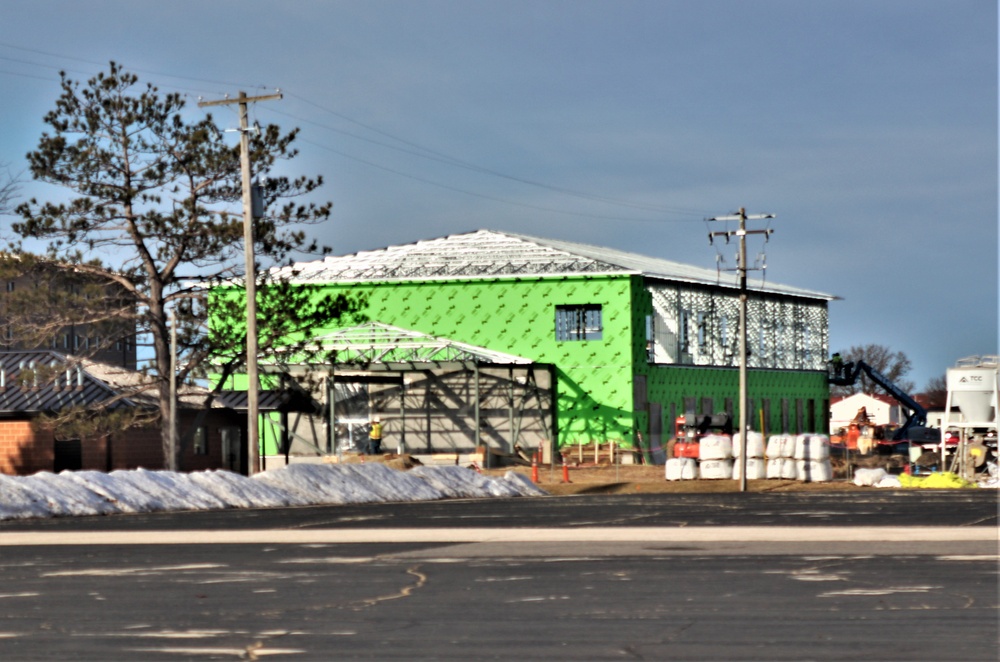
column 742, row 267
column 174, row 464
column 253, row 382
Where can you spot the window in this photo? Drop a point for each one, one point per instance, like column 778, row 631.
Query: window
column 200, row 441
column 230, row 447
column 703, row 332
column 579, row 322
column 682, row 330
column 650, row 339
column 707, row 406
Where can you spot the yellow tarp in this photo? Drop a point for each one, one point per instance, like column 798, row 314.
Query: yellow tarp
column 939, row 480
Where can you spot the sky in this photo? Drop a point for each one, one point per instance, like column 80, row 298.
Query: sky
column 868, row 127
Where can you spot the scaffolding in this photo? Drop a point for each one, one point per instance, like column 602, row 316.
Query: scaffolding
column 432, row 395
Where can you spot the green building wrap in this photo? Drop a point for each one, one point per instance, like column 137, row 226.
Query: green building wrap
column 607, row 390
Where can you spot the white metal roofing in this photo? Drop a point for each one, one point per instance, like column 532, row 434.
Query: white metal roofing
column 380, row 343
column 493, row 254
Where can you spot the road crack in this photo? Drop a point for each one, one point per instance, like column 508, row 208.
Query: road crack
column 402, row 593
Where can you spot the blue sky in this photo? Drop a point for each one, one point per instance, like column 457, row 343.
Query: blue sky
column 869, row 127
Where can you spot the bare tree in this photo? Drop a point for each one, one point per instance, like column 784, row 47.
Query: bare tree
column 894, row 365
column 936, row 392
column 10, row 187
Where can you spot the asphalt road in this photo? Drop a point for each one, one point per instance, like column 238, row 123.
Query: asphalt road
column 872, row 575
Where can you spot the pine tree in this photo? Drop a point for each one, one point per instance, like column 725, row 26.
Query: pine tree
column 153, row 216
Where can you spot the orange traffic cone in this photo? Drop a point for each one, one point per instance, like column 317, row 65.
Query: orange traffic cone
column 565, row 472
column 534, row 468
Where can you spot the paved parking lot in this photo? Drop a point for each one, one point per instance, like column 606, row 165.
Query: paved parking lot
column 650, row 577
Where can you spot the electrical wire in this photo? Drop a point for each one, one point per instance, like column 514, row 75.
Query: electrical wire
column 408, row 147
column 446, row 158
column 480, row 195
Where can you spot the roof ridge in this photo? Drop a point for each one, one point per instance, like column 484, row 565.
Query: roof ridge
column 487, row 253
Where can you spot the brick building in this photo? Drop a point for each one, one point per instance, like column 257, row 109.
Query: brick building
column 45, row 382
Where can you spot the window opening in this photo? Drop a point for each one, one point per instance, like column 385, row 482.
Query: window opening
column 582, row 322
column 200, row 440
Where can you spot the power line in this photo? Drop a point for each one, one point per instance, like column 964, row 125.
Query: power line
column 103, row 64
column 409, row 147
column 451, row 160
column 483, row 195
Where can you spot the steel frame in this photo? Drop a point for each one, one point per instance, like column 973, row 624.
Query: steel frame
column 699, row 326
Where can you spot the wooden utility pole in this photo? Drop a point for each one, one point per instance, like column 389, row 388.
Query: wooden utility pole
column 742, row 267
column 253, row 382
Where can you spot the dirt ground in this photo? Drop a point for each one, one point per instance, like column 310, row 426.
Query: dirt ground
column 651, row 479
column 629, row 479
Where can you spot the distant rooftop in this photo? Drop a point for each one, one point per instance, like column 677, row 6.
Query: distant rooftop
column 44, row 381
column 493, row 254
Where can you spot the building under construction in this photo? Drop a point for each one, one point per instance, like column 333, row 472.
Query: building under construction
column 501, row 340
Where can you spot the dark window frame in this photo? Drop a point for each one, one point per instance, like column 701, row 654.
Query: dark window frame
column 579, row 322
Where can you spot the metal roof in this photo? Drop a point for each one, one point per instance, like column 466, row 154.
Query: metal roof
column 44, row 381
column 375, row 343
column 493, row 254
column 270, row 400
column 47, row 381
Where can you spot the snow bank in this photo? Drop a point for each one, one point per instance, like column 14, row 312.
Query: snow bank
column 460, row 483
column 140, row 491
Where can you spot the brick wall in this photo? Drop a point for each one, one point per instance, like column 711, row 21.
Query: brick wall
column 25, row 450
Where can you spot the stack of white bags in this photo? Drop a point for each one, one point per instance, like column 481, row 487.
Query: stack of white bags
column 756, row 465
column 715, row 456
column 804, row 457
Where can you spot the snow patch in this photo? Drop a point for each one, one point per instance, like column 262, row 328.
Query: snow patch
column 81, row 493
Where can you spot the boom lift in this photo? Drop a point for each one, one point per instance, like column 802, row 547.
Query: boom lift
column 914, row 428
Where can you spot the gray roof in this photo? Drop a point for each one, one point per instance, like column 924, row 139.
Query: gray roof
column 43, row 381
column 492, row 254
column 47, row 381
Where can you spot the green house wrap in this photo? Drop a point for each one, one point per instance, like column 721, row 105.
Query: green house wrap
column 628, row 342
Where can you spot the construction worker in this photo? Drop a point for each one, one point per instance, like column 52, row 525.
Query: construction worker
column 374, row 438
column 838, row 365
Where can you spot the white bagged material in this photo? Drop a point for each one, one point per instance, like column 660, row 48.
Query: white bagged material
column 682, row 468
column 755, row 444
column 868, row 477
column 715, row 469
column 756, row 468
column 812, row 447
column 780, row 445
column 889, row 481
column 715, row 447
column 781, row 467
column 814, row 471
